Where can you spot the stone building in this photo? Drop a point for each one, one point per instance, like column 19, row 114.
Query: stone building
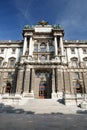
column 43, row 64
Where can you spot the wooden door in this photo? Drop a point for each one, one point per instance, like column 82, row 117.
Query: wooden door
column 42, row 90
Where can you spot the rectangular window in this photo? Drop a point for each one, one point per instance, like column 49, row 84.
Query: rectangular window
column 35, row 57
column 2, row 50
column 51, row 48
column 35, row 48
column 72, row 50
column 10, row 74
column 12, row 63
column 0, row 62
column 76, row 75
column 84, row 50
column 13, row 50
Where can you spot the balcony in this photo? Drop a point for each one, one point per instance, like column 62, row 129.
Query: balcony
column 43, row 51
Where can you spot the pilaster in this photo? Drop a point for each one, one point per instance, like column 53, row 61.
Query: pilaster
column 85, row 81
column 32, row 80
column 66, row 82
column 27, row 79
column 20, row 80
column 54, row 94
column 59, row 76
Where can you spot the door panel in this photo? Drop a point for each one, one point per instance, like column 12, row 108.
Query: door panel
column 43, row 90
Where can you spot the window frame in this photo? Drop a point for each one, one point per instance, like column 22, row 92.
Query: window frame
column 13, row 50
column 1, row 50
column 10, row 61
column 1, row 59
column 84, row 50
column 72, row 50
column 43, row 47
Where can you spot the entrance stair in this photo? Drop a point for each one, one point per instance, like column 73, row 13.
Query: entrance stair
column 37, row 106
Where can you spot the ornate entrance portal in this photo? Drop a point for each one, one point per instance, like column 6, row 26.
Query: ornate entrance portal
column 44, row 83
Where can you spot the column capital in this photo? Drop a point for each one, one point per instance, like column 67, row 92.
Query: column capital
column 21, row 68
column 28, row 67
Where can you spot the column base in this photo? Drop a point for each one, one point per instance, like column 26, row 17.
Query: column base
column 54, row 95
column 60, row 95
column 71, row 99
column 28, row 95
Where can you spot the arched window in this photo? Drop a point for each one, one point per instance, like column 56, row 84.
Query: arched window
column 12, row 62
column 85, row 61
column 8, row 87
column 74, row 62
column 1, row 61
column 43, row 47
column 78, row 87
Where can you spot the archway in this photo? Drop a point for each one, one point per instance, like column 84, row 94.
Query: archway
column 8, row 87
column 43, row 83
column 78, row 87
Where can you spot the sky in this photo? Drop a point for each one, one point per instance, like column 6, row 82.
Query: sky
column 70, row 14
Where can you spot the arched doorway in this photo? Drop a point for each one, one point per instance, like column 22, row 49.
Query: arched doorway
column 43, row 82
column 78, row 87
column 8, row 87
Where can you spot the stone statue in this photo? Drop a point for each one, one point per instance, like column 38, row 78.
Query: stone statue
column 28, row 27
column 57, row 26
column 42, row 23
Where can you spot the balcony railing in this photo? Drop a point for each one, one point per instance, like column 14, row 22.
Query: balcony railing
column 43, row 51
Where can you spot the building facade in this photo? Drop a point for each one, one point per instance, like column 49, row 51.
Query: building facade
column 43, row 64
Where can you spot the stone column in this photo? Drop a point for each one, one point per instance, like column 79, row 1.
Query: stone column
column 80, row 57
column 71, row 83
column 27, row 80
column 20, row 80
column 25, row 45
column 67, row 82
column 57, row 79
column 53, row 81
column 61, row 45
column 54, row 94
column 1, row 82
column 30, row 46
column 56, row 47
column 32, row 80
column 85, row 81
column 60, row 86
column 59, row 82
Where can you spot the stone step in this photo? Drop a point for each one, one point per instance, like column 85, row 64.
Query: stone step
column 41, row 103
